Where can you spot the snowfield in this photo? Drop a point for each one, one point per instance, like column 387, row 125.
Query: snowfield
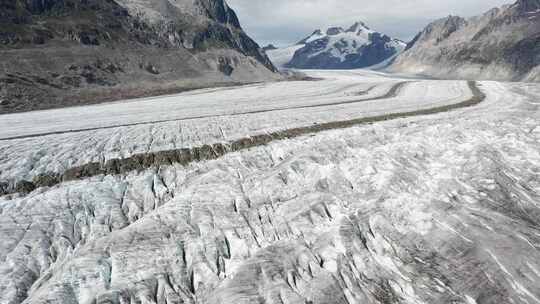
column 440, row 208
column 280, row 57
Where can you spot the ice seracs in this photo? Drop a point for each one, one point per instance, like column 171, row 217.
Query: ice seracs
column 439, row 208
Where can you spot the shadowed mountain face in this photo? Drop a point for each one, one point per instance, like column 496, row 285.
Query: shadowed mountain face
column 528, row 5
column 67, row 52
column 337, row 48
column 502, row 44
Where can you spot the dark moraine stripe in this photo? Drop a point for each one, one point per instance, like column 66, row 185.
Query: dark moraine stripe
column 139, row 162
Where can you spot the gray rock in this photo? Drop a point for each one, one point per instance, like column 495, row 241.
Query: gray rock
column 184, row 36
column 502, row 44
column 334, row 31
column 225, row 67
column 151, row 69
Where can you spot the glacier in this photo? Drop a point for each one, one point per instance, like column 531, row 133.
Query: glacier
column 439, row 208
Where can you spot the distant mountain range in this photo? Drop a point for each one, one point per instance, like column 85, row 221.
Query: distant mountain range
column 338, row 48
column 66, row 52
column 502, row 44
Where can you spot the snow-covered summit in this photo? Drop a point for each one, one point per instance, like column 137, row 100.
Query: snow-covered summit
column 358, row 28
column 317, row 34
column 357, row 46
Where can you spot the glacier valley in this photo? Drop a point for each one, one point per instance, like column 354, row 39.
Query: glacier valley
column 357, row 187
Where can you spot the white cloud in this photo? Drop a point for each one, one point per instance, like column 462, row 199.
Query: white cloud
column 286, row 21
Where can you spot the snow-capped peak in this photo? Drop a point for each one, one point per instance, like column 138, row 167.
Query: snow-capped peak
column 337, row 47
column 354, row 47
column 317, row 34
column 332, row 31
column 357, row 27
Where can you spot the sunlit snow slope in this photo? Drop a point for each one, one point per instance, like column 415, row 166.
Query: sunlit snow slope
column 355, row 203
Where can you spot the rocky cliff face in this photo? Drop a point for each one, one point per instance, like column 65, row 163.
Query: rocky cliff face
column 66, row 52
column 502, row 44
column 337, row 48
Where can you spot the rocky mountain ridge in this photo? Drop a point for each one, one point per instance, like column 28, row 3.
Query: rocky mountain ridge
column 68, row 52
column 502, row 44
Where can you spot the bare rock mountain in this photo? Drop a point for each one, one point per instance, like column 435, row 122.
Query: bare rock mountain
column 269, row 47
column 502, row 44
column 65, row 52
column 338, row 48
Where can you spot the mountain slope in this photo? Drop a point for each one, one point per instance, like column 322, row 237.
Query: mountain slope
column 67, row 52
column 502, row 44
column 337, row 48
column 280, row 57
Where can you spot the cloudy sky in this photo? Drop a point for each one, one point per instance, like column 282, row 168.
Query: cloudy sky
column 284, row 22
